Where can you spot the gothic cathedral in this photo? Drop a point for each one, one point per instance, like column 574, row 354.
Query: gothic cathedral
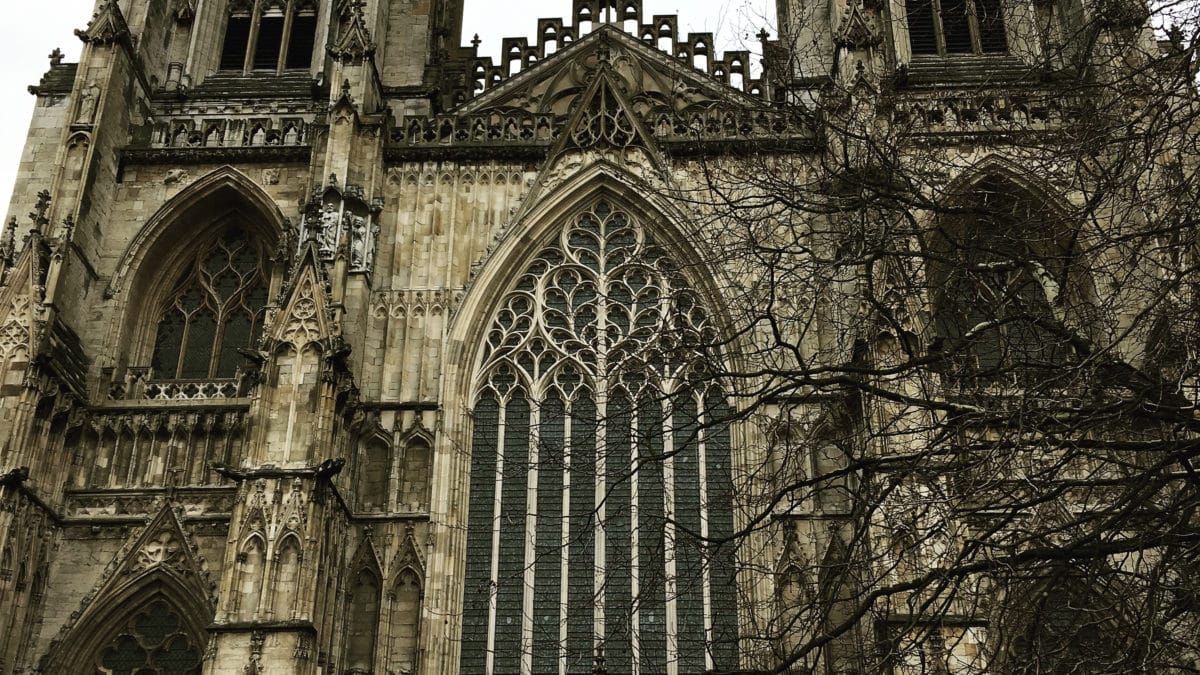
column 332, row 346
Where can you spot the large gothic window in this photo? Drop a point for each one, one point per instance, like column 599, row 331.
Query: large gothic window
column 600, row 475
column 153, row 643
column 216, row 308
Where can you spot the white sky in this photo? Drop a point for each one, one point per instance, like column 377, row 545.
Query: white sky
column 31, row 30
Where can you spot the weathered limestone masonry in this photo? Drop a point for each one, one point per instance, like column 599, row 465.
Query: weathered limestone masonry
column 259, row 332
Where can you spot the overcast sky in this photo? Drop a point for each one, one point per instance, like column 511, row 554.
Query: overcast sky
column 31, row 30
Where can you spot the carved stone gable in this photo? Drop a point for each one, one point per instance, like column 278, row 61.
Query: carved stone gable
column 604, row 119
column 107, row 25
column 655, row 82
column 304, row 318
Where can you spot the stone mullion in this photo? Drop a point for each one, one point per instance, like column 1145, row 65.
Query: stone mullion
column 702, row 469
column 252, row 42
column 494, row 573
column 565, row 570
column 530, row 578
column 289, row 15
column 668, row 481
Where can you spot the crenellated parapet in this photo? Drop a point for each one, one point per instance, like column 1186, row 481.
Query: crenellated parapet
column 696, row 51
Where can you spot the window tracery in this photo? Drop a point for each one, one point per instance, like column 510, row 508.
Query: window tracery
column 600, row 470
column 154, row 642
column 217, row 307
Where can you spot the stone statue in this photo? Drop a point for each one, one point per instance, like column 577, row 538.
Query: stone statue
column 329, row 229
column 87, row 105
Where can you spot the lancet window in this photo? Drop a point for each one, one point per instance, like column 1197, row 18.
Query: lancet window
column 269, row 35
column 996, row 281
column 217, row 307
column 947, row 27
column 153, row 643
column 600, row 481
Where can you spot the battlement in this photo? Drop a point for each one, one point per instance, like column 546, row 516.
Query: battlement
column 698, row 50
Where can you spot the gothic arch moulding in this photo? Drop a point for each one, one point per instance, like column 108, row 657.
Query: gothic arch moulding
column 170, row 237
column 158, row 571
column 596, row 194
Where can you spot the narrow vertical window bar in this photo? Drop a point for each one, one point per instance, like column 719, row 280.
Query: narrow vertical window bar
column 547, row 608
column 565, row 551
column 510, row 540
column 601, row 541
column 494, row 558
column 529, row 577
column 670, row 585
column 618, row 579
column 704, row 421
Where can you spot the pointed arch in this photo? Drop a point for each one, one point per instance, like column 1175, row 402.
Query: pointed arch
column 249, row 575
column 104, row 619
column 404, row 619
column 1004, row 261
column 592, row 251
column 362, row 622
column 285, row 588
column 602, row 180
column 170, row 238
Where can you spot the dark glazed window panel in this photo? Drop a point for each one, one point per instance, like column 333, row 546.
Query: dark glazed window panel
column 153, row 644
column 991, row 26
column 197, row 353
column 301, row 41
column 581, row 583
column 270, row 41
column 237, row 38
column 510, row 584
column 479, row 534
column 547, row 338
column 956, row 27
column 237, row 335
column 222, row 297
column 168, row 345
column 922, row 35
column 548, row 566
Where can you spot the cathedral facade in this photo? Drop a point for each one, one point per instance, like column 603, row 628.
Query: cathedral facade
column 332, row 346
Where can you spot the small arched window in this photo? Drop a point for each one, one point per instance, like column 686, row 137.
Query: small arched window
column 217, row 307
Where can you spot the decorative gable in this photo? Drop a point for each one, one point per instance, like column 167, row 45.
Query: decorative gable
column 654, row 80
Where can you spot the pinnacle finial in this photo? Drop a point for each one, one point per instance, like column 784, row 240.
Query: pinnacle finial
column 38, row 215
column 56, row 57
column 475, row 41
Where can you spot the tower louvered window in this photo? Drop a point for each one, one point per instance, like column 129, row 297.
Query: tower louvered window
column 946, row 27
column 216, row 308
column 601, row 484
column 269, row 35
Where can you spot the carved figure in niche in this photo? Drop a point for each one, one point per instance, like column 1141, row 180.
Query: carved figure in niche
column 357, row 227
column 87, row 104
column 329, row 228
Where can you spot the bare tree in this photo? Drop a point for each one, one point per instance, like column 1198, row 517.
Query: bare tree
column 971, row 327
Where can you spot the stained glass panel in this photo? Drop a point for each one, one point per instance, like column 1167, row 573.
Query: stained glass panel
column 153, row 642
column 618, row 568
column 221, row 297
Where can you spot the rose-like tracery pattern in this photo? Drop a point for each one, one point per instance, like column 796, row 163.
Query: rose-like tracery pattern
column 600, row 474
